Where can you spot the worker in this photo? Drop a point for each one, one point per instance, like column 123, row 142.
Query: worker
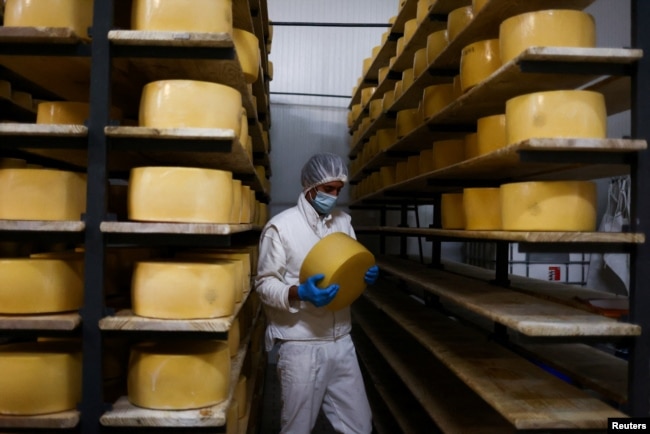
column 317, row 363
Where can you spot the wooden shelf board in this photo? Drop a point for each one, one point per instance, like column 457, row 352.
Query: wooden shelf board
column 173, row 228
column 42, row 130
column 61, row 321
column 127, row 320
column 42, row 226
column 525, row 395
column 170, row 38
column 61, row 420
column 216, row 134
column 526, row 314
column 39, row 35
column 241, row 15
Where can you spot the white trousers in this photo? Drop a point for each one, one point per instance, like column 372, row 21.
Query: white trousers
column 322, row 373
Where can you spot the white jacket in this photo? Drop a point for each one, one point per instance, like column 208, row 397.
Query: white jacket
column 284, row 243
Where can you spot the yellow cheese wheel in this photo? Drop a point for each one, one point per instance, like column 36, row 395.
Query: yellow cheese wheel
column 482, row 209
column 242, row 279
column 471, row 145
column 553, row 28
column 549, row 206
column 391, row 61
column 366, row 95
column 457, row 20
column 210, row 16
column 232, row 418
column 410, row 26
column 386, row 137
column 436, row 43
column 178, row 375
column 387, row 175
column 561, row 113
column 39, row 377
column 234, row 337
column 73, row 14
column 245, row 215
column 5, row 89
column 491, row 133
column 344, row 261
column 243, row 128
column 41, row 194
column 12, row 163
column 426, row 160
column 407, row 79
column 407, row 121
column 452, row 211
column 435, row 98
column 399, row 48
column 401, row 171
column 269, row 71
column 413, row 166
column 180, row 194
column 40, row 285
column 190, row 104
column 382, row 73
column 477, row 62
column 356, row 111
column 366, row 65
column 375, row 109
column 240, row 395
column 420, row 62
column 458, row 91
column 183, row 290
column 422, row 10
column 477, row 5
column 248, row 53
column 235, row 209
column 448, row 152
column 67, row 112
column 22, row 99
column 387, row 100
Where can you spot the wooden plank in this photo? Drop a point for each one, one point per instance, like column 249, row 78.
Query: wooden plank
column 525, row 395
column 526, row 314
column 447, row 401
column 61, row 321
column 42, row 130
column 42, row 226
column 38, row 35
column 173, row 228
column 212, row 134
column 241, row 15
column 61, row 420
column 170, row 39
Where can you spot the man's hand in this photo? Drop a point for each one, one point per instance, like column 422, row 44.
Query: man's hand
column 308, row 291
column 371, row 275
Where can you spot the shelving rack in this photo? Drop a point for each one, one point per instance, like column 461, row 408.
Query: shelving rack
column 474, row 296
column 110, row 70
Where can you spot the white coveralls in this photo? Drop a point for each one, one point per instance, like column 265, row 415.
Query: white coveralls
column 317, row 361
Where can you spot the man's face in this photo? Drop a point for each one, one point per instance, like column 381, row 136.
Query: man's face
column 332, row 188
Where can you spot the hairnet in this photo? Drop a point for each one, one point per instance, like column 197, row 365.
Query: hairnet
column 323, row 168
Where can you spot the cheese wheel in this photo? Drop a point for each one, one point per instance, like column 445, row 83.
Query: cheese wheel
column 549, row 206
column 477, row 5
column 232, row 418
column 209, row 16
column 422, row 10
column 178, row 375
column 12, row 163
column 435, row 98
column 190, row 104
column 183, row 290
column 240, row 395
column 457, row 20
column 40, row 285
column 343, row 261
column 387, row 100
column 245, row 215
column 356, row 111
column 382, row 73
column 180, row 194
column 366, row 95
column 407, row 121
column 410, row 26
column 76, row 15
column 22, row 99
column 482, row 208
column 67, row 112
column 407, row 79
column 386, row 137
column 426, row 161
column 366, row 65
column 452, row 211
column 375, row 51
column 420, row 62
column 375, row 109
column 448, row 152
column 491, row 133
column 458, row 91
column 477, row 62
column 554, row 28
column 41, row 194
column 401, row 171
column 240, row 273
column 436, row 43
column 399, row 48
column 387, row 175
column 248, row 53
column 235, row 209
column 413, row 166
column 269, row 71
column 471, row 145
column 5, row 89
column 234, row 337
column 39, row 378
column 243, row 256
column 392, row 61
column 243, row 128
column 561, row 113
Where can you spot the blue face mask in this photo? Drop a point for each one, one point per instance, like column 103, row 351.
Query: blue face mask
column 324, row 203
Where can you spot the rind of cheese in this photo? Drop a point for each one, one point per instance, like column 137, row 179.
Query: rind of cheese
column 209, row 16
column 448, row 152
column 40, row 285
column 457, row 20
column 452, row 211
column 471, row 145
column 235, row 209
column 178, row 375
column 552, row 28
column 183, row 290
column 382, row 73
column 386, row 137
column 436, row 43
column 73, row 14
column 366, row 65
column 39, row 378
column 67, row 112
column 342, row 260
column 242, row 279
column 407, row 121
column 375, row 109
column 549, row 206
column 190, row 104
column 388, row 99
column 477, row 62
column 555, row 114
column 420, row 62
column 435, row 98
column 246, row 203
column 180, row 194
column 409, row 29
column 399, row 47
column 248, row 53
column 422, row 11
column 407, row 79
column 243, row 129
column 491, row 133
column 482, row 209
column 41, row 194
column 366, row 95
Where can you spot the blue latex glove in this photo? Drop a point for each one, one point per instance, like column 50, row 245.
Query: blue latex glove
column 308, row 291
column 371, row 275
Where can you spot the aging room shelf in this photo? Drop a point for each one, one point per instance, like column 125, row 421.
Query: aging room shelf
column 55, row 421
column 56, row 322
column 524, row 394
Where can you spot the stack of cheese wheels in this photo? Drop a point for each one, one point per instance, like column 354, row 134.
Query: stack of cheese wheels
column 76, row 15
column 555, row 28
column 248, row 53
column 477, row 62
column 435, row 98
column 482, row 208
column 190, row 104
column 178, row 375
column 343, row 261
column 39, row 378
column 549, row 206
column 67, row 112
column 239, row 271
column 183, row 290
column 41, row 285
column 41, row 194
column 457, row 20
column 203, row 16
column 180, row 194
column 560, row 113
column 490, row 133
column 452, row 211
column 448, row 152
